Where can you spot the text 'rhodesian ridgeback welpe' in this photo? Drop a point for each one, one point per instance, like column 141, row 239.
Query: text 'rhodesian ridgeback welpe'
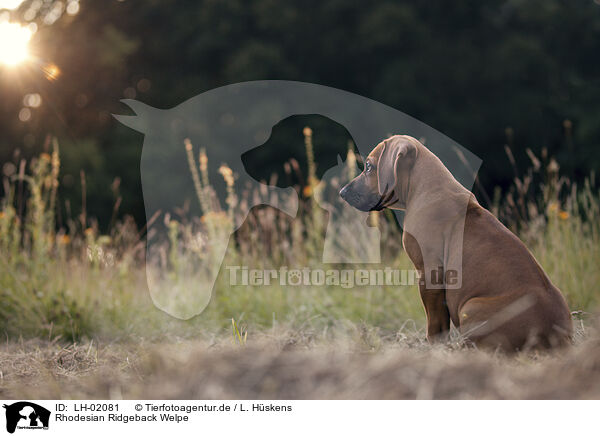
column 494, row 291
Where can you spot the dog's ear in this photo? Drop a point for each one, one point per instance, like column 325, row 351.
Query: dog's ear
column 398, row 153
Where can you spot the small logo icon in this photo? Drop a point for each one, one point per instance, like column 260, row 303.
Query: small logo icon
column 26, row 415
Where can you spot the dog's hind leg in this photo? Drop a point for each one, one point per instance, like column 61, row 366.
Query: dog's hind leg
column 497, row 322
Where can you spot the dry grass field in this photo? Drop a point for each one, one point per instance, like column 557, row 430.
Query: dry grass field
column 288, row 367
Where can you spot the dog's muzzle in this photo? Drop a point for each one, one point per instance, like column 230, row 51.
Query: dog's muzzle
column 344, row 192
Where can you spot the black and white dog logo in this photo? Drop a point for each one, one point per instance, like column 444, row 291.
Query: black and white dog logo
column 26, row 415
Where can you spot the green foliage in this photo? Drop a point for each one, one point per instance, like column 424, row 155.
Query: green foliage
column 468, row 68
column 51, row 282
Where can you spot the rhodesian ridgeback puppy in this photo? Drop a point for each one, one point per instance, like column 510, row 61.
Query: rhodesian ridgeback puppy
column 492, row 288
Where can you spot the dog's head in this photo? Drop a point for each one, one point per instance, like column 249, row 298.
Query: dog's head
column 384, row 180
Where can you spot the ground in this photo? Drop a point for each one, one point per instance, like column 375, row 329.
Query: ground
column 286, row 365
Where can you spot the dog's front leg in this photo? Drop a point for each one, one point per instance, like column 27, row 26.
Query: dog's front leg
column 438, row 317
column 434, row 300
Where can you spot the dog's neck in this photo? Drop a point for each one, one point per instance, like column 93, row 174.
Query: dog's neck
column 430, row 184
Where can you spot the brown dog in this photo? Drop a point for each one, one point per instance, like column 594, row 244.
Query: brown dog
column 491, row 286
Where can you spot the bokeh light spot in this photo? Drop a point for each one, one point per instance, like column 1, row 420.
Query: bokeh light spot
column 129, row 92
column 144, row 85
column 25, row 114
column 73, row 7
column 51, row 71
column 32, row 100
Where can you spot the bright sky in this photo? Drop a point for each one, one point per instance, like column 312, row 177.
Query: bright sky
column 10, row 4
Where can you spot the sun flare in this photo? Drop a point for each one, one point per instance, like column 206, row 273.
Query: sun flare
column 14, row 43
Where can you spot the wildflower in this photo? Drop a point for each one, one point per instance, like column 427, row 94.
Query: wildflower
column 203, row 163
column 563, row 215
column 310, row 155
column 195, row 175
column 89, row 231
column 307, row 191
column 64, row 239
column 2, row 215
column 227, row 174
column 553, row 167
column 203, row 160
column 45, row 157
column 231, row 200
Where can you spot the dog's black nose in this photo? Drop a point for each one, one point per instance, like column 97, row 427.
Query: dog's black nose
column 344, row 191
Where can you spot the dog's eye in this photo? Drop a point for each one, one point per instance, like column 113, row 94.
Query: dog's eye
column 368, row 167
